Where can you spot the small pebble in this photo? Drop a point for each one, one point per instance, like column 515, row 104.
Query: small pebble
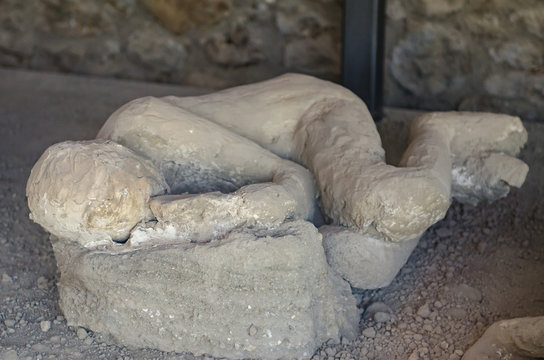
column 482, row 246
column 424, row 311
column 369, row 332
column 41, row 283
column 9, row 322
column 251, row 331
column 428, row 328
column 40, row 347
column 467, row 292
column 6, row 279
column 457, row 313
column 381, row 317
column 45, row 325
column 81, row 333
column 89, row 340
column 10, row 355
column 443, row 232
column 55, row 339
column 376, row 307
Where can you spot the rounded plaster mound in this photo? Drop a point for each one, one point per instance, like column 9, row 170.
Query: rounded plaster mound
column 513, row 339
column 368, row 264
column 253, row 294
column 92, row 192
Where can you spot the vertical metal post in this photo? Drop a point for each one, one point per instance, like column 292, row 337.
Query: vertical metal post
column 362, row 63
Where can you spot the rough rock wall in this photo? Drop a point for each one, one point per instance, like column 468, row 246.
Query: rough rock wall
column 211, row 43
column 485, row 55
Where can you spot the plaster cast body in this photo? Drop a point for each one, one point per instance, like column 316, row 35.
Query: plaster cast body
column 329, row 130
column 197, row 155
column 276, row 151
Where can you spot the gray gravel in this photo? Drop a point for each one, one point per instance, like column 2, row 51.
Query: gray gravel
column 480, row 264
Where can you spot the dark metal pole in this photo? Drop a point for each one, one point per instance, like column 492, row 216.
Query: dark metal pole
column 362, row 64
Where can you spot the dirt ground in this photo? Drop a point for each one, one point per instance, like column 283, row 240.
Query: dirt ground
column 480, row 264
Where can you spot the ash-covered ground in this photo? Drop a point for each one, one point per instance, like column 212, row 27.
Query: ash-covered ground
column 479, row 265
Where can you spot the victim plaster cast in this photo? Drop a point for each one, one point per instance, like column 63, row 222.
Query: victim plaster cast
column 251, row 164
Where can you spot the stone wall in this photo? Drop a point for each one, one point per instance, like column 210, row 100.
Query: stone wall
column 211, row 43
column 440, row 54
column 468, row 55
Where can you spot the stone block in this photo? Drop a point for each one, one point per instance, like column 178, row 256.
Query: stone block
column 233, row 48
column 264, row 294
column 519, row 54
column 530, row 18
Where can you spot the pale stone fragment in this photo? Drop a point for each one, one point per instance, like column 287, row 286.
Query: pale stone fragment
column 45, row 325
column 254, row 294
column 92, row 192
column 366, row 261
column 483, row 147
column 515, row 339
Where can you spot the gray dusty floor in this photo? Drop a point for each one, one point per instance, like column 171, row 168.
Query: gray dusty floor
column 478, row 265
